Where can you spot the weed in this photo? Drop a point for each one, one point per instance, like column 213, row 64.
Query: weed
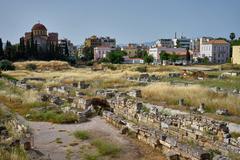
column 83, row 135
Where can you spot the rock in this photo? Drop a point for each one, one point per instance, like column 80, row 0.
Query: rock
column 223, row 112
column 143, row 77
column 220, row 157
column 124, row 130
column 181, row 102
column 83, row 85
column 27, row 146
column 136, row 93
column 172, row 155
column 201, row 108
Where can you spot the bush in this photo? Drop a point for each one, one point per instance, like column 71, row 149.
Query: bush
column 89, row 63
column 105, row 148
column 6, row 65
column 83, row 135
column 31, row 67
column 141, row 69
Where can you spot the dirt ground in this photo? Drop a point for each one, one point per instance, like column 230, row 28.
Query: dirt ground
column 45, row 135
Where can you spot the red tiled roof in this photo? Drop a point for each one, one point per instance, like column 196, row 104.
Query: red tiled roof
column 216, row 41
column 39, row 26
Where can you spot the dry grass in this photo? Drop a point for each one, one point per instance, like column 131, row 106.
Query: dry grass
column 43, row 65
column 193, row 95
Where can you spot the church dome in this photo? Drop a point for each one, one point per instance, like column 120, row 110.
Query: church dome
column 39, row 26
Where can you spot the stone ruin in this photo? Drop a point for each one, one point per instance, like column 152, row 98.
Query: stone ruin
column 174, row 134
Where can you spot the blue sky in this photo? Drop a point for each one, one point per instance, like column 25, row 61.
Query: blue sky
column 126, row 20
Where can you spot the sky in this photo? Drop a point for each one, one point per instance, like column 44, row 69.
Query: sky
column 134, row 21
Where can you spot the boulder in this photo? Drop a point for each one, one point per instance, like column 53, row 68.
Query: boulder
column 223, row 112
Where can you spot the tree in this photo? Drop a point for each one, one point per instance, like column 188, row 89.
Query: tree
column 174, row 57
column 1, row 49
column 232, row 36
column 140, row 54
column 148, row 59
column 28, row 49
column 8, row 50
column 88, row 53
column 188, row 56
column 164, row 56
column 22, row 49
column 178, row 43
column 115, row 57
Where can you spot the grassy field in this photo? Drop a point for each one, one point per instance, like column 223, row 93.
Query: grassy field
column 194, row 95
column 114, row 76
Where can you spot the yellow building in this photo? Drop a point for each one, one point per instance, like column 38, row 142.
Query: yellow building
column 236, row 55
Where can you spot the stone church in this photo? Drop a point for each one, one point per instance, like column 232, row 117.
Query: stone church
column 41, row 37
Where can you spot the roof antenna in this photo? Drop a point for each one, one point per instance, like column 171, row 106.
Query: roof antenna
column 38, row 21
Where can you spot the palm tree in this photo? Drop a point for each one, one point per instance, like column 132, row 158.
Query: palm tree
column 232, row 36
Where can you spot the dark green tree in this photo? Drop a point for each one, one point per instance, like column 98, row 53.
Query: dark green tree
column 232, row 36
column 28, row 50
column 8, row 50
column 115, row 57
column 188, row 55
column 148, row 59
column 178, row 43
column 164, row 56
column 88, row 53
column 140, row 54
column 22, row 49
column 174, row 57
column 1, row 49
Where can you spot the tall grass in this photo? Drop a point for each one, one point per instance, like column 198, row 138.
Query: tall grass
column 16, row 153
column 54, row 117
column 193, row 95
column 105, row 148
column 83, row 135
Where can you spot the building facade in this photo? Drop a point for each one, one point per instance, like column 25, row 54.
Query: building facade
column 236, row 55
column 155, row 52
column 66, row 47
column 217, row 51
column 41, row 37
column 95, row 41
column 101, row 52
column 128, row 60
column 168, row 43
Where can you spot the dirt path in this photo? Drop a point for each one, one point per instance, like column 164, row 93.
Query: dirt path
column 45, row 135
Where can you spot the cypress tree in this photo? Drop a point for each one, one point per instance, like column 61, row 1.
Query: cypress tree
column 8, row 50
column 32, row 46
column 22, row 49
column 1, row 49
column 28, row 49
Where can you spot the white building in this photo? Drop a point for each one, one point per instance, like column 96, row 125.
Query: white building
column 128, row 60
column 155, row 52
column 168, row 43
column 217, row 51
column 101, row 52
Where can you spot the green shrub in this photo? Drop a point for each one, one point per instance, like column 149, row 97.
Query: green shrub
column 83, row 135
column 6, row 65
column 104, row 148
column 89, row 63
column 91, row 157
column 31, row 67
